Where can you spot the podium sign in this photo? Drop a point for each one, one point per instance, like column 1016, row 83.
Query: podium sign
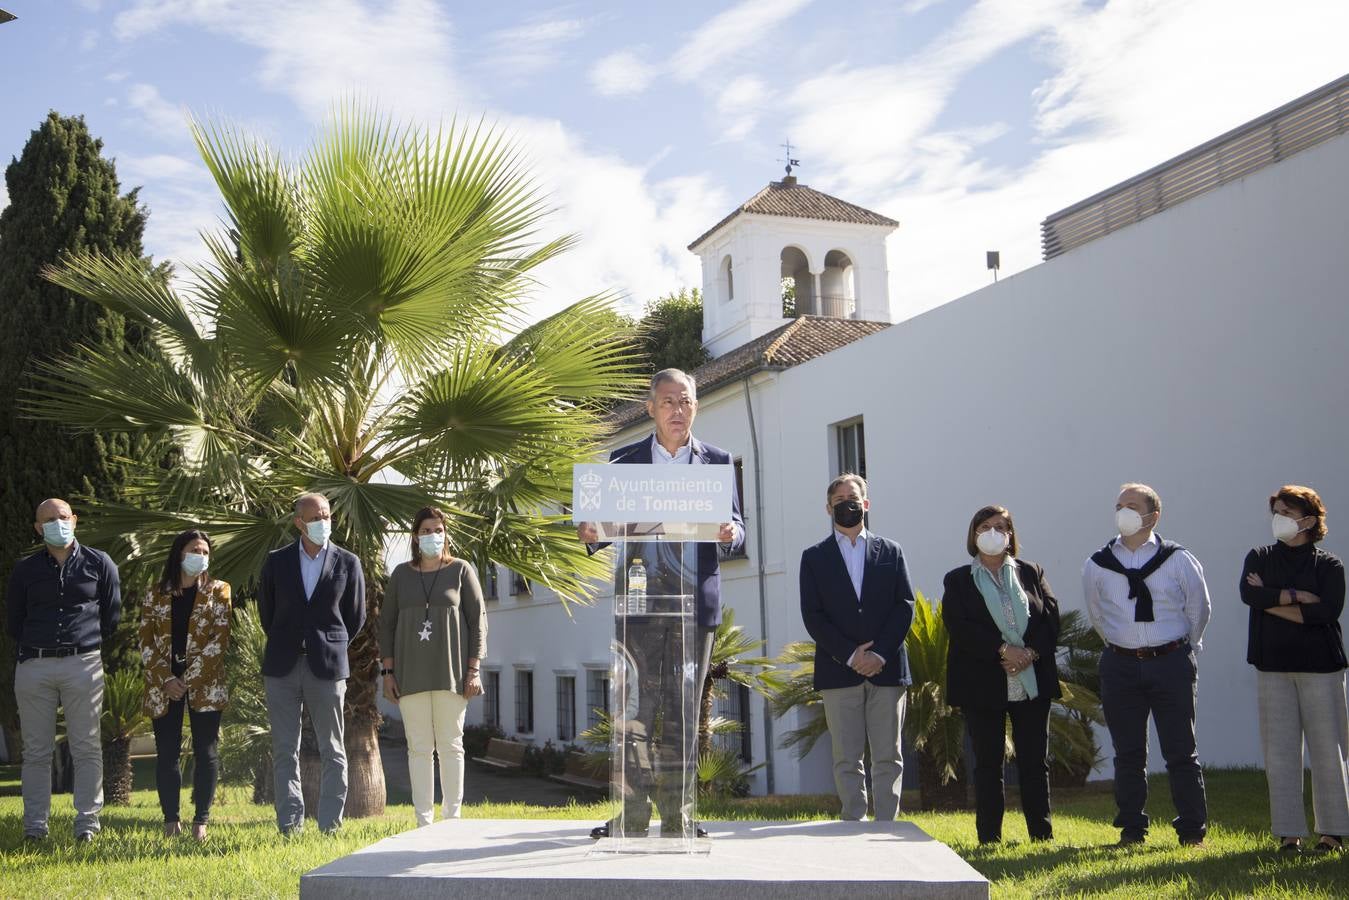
column 653, row 516
column 653, row 502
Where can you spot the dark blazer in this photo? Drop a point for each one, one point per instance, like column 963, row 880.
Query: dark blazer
column 839, row 624
column 974, row 675
column 325, row 624
column 708, row 593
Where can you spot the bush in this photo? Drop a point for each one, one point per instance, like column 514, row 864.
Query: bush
column 546, row 760
column 476, row 738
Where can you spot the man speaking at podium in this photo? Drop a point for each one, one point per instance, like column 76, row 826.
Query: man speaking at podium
column 672, row 402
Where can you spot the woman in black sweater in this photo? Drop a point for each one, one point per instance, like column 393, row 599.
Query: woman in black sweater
column 1296, row 593
column 1003, row 623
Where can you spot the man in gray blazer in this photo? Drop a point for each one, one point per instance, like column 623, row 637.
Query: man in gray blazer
column 311, row 601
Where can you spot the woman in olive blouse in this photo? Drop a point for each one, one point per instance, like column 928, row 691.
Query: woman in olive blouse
column 433, row 631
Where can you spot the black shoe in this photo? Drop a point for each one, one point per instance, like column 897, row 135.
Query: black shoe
column 34, row 838
column 604, row 831
column 1291, row 847
column 1192, row 840
column 1329, row 843
column 84, row 837
column 1129, row 837
column 698, row 831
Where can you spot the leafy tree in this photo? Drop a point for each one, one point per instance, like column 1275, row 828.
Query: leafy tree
column 346, row 337
column 671, row 331
column 64, row 197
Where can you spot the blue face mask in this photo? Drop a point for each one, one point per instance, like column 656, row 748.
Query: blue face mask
column 195, row 563
column 431, row 544
column 319, row 530
column 58, row 532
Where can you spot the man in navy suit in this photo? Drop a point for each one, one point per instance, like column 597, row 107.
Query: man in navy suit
column 857, row 604
column 311, row 600
column 672, row 403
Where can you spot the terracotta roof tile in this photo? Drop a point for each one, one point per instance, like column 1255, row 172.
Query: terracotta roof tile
column 788, row 198
column 796, row 342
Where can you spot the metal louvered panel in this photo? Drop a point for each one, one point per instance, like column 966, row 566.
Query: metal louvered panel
column 1305, row 122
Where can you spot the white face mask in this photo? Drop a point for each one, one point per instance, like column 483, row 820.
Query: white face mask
column 431, row 544
column 1284, row 528
column 1128, row 521
column 319, row 530
column 195, row 563
column 991, row 542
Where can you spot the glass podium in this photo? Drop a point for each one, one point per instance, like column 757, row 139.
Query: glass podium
column 654, row 695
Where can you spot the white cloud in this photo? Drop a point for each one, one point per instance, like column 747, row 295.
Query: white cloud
column 322, row 51
column 158, row 115
column 1125, row 94
column 622, row 74
column 525, row 50
column 729, row 33
column 632, row 229
column 722, row 38
column 4, row 194
column 183, row 201
column 740, row 104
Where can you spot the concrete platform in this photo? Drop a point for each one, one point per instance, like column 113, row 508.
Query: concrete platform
column 515, row 859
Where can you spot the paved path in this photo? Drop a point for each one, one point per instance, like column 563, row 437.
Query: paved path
column 480, row 783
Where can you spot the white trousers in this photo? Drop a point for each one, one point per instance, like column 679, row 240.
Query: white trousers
column 434, row 723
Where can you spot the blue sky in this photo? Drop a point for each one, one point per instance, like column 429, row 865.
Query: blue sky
column 966, row 121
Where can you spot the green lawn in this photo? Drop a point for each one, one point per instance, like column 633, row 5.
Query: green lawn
column 246, row 858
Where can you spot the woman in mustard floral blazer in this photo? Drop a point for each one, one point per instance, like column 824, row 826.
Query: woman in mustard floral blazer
column 185, row 627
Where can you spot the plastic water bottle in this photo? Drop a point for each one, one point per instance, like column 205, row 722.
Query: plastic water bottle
column 637, row 588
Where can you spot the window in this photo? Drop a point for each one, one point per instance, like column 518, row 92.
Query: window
column 852, row 450
column 566, row 707
column 519, row 585
column 487, row 576
column 524, row 701
column 735, row 706
column 491, row 697
column 726, row 280
column 597, row 695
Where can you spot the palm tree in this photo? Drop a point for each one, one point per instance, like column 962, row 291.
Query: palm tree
column 123, row 719
column 731, row 662
column 1073, row 750
column 345, row 336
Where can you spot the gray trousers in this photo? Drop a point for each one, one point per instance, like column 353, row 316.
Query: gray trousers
column 40, row 686
column 858, row 717
column 1310, row 704
column 323, row 699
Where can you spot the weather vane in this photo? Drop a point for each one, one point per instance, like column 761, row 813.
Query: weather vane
column 789, row 160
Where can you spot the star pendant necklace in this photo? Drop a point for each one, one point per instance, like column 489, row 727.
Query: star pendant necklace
column 425, row 633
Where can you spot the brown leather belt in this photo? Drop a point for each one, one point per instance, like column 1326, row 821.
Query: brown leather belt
column 1151, row 652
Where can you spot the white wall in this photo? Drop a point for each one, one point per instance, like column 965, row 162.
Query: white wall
column 1201, row 350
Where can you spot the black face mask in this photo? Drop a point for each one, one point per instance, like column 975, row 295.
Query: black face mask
column 847, row 513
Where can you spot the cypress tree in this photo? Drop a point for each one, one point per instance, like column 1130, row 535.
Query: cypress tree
column 63, row 196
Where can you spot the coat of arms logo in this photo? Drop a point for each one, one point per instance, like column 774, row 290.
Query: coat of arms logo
column 589, row 496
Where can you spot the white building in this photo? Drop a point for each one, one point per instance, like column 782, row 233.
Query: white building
column 1188, row 329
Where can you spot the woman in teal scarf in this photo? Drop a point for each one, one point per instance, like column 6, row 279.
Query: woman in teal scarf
column 1003, row 623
